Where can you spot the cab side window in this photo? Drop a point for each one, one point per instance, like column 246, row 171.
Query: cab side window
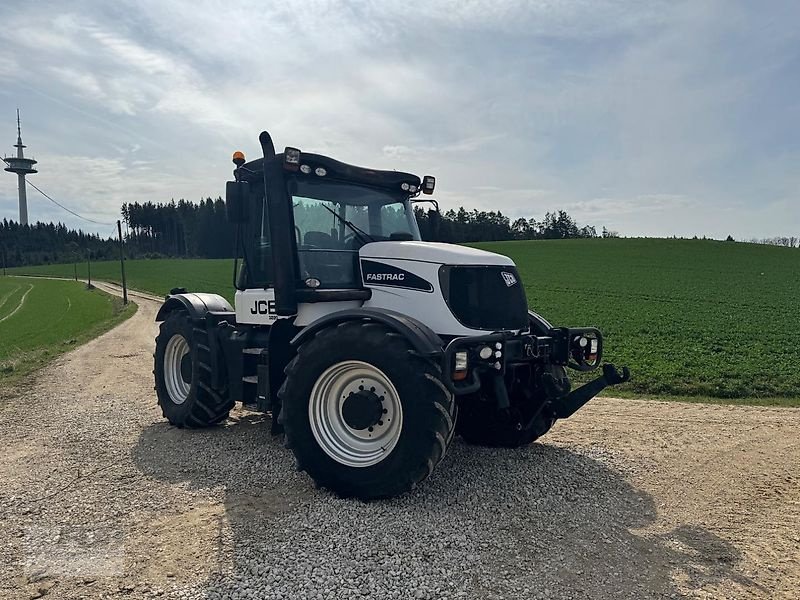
column 256, row 270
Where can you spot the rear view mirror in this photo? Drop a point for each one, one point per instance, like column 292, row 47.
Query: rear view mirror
column 237, row 194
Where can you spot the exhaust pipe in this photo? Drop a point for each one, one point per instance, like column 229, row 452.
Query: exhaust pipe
column 280, row 232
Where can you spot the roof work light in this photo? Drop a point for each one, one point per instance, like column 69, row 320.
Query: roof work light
column 291, row 159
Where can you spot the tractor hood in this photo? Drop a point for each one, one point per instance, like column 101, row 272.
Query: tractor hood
column 433, row 252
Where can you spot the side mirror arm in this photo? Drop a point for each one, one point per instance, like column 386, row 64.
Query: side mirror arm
column 431, row 200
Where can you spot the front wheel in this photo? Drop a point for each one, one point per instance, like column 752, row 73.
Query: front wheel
column 364, row 415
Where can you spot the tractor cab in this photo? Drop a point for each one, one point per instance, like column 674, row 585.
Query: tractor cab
column 304, row 217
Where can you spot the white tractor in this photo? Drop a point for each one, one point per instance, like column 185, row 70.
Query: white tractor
column 370, row 348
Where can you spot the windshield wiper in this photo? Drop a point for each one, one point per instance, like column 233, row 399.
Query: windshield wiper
column 363, row 236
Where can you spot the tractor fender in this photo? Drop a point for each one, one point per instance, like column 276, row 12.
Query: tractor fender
column 420, row 336
column 538, row 324
column 198, row 305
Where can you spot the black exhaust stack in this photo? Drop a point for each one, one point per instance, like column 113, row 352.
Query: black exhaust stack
column 281, row 230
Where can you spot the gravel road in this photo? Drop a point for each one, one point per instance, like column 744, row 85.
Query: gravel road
column 101, row 498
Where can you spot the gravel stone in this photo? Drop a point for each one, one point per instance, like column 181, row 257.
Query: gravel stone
column 102, row 498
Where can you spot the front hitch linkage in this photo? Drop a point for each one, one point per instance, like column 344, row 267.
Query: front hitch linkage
column 566, row 406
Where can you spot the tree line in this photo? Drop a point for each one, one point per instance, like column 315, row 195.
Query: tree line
column 46, row 243
column 172, row 229
column 201, row 230
column 786, row 241
column 460, row 225
column 182, row 229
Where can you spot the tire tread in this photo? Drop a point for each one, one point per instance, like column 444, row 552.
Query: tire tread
column 205, row 405
column 440, row 422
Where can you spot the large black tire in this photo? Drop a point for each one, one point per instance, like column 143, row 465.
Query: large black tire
column 428, row 410
column 202, row 405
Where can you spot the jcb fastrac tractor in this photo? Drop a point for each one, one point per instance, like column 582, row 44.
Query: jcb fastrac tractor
column 370, row 348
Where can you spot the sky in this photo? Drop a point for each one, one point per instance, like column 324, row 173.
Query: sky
column 648, row 118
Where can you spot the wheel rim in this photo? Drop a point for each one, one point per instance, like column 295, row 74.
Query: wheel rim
column 338, row 439
column 175, row 355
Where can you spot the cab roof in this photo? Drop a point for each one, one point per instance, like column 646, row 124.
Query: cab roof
column 334, row 169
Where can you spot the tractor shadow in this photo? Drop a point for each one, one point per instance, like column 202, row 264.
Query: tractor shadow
column 501, row 515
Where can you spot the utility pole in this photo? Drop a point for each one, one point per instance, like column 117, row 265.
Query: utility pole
column 89, row 268
column 122, row 264
column 4, row 260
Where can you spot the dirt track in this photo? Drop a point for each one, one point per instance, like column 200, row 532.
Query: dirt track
column 100, row 497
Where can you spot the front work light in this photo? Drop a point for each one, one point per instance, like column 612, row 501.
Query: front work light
column 593, row 350
column 428, row 183
column 460, row 370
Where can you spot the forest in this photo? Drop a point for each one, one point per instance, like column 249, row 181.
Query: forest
column 201, row 230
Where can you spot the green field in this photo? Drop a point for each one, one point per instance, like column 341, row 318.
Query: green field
column 40, row 319
column 156, row 276
column 690, row 317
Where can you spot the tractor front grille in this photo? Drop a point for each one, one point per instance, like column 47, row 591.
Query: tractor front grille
column 485, row 297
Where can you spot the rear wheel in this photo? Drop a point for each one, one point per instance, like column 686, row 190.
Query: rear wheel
column 183, row 375
column 364, row 415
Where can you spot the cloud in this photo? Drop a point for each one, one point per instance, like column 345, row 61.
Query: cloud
column 85, row 83
column 8, row 67
column 657, row 118
column 463, row 146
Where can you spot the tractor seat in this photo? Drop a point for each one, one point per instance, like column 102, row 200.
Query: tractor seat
column 320, row 239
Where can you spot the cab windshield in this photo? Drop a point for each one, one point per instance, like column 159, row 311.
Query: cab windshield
column 332, row 220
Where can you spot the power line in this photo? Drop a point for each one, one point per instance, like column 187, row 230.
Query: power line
column 72, row 212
